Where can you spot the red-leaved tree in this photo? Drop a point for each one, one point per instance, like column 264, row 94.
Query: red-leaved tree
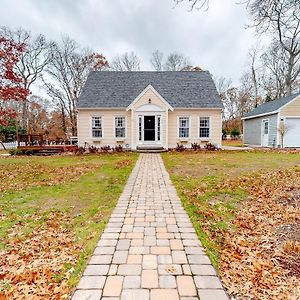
column 11, row 89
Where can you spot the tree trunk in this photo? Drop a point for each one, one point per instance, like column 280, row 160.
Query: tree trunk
column 23, row 119
column 288, row 79
column 63, row 116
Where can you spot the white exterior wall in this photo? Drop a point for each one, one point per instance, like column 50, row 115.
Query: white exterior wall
column 84, row 127
column 215, row 116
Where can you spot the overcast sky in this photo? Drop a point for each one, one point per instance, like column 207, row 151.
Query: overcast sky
column 216, row 40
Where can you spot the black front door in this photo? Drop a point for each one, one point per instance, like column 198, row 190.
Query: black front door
column 149, row 128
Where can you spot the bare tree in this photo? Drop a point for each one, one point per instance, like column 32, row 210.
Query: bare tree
column 37, row 115
column 192, row 68
column 176, row 62
column 222, row 84
column 282, row 129
column 253, row 55
column 230, row 99
column 67, row 73
column 281, row 19
column 198, row 4
column 157, row 60
column 228, row 95
column 248, row 99
column 274, row 68
column 33, row 60
column 239, row 100
column 126, row 62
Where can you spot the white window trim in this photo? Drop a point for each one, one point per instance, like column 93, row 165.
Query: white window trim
column 198, row 128
column 91, row 127
column 114, row 126
column 279, row 118
column 263, row 127
column 190, row 124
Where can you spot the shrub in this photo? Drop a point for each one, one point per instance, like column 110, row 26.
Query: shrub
column 12, row 151
column 180, row 148
column 79, row 151
column 235, row 133
column 105, row 149
column 28, row 152
column 20, row 152
column 195, row 146
column 93, row 149
column 210, row 146
column 119, row 148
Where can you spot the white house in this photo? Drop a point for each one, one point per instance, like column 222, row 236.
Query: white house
column 149, row 109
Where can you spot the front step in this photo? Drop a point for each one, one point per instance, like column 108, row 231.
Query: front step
column 150, row 149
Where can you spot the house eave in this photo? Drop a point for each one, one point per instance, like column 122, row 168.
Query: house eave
column 198, row 108
column 101, row 108
column 261, row 115
column 173, row 108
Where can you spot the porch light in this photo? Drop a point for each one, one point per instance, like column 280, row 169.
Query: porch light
column 149, row 101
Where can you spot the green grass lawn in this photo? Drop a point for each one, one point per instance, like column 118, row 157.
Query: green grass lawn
column 84, row 189
column 200, row 181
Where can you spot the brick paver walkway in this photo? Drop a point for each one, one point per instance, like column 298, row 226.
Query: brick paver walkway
column 149, row 249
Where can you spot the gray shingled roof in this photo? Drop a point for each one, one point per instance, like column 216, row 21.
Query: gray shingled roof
column 271, row 106
column 179, row 89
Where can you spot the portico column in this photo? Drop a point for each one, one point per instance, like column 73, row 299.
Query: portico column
column 133, row 146
column 167, row 129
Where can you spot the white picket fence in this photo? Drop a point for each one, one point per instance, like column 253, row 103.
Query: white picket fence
column 10, row 145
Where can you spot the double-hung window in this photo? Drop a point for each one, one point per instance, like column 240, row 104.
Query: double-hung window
column 120, row 127
column 184, row 127
column 204, row 127
column 97, row 127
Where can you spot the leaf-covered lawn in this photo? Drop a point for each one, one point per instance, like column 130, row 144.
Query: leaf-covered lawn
column 245, row 207
column 52, row 212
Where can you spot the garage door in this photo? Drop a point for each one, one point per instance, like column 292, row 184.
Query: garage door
column 292, row 137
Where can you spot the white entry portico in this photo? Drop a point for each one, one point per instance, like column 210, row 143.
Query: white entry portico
column 149, row 116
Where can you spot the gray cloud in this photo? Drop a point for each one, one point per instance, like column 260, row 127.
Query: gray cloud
column 215, row 40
